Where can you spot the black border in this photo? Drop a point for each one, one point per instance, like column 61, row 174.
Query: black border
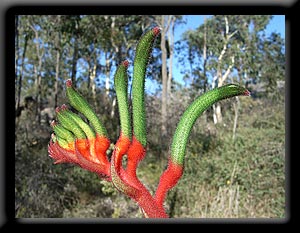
column 146, row 9
column 9, row 213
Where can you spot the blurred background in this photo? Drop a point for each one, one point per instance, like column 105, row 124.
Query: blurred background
column 235, row 160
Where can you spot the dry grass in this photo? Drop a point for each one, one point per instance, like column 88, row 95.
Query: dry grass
column 226, row 202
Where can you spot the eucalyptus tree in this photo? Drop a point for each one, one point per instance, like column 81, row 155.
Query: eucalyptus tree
column 167, row 24
column 36, row 23
column 227, row 46
column 23, row 35
column 105, row 41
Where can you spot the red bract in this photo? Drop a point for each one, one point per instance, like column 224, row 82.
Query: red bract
column 61, row 155
column 88, row 154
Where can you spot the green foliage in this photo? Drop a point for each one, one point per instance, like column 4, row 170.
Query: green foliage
column 108, row 188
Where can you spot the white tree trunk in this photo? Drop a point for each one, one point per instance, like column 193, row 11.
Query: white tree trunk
column 213, row 85
column 164, row 78
column 93, row 85
column 114, row 102
column 107, row 76
column 217, row 115
column 171, row 48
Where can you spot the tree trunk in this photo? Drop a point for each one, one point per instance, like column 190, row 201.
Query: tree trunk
column 117, row 49
column 58, row 51
column 38, row 95
column 56, row 77
column 107, row 71
column 205, row 55
column 92, row 78
column 218, row 113
column 164, row 80
column 75, row 54
column 39, row 54
column 213, row 85
column 113, row 106
column 171, row 48
column 74, row 63
column 236, row 115
column 16, row 53
column 220, row 77
column 21, row 73
column 205, row 64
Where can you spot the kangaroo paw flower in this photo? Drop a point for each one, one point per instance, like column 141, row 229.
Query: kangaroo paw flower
column 77, row 142
column 83, row 141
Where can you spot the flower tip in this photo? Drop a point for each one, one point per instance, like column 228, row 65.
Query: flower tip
column 247, row 93
column 125, row 63
column 69, row 83
column 57, row 109
column 53, row 137
column 156, row 30
column 64, row 107
column 53, row 123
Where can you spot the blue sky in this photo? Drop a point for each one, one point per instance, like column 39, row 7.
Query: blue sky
column 277, row 24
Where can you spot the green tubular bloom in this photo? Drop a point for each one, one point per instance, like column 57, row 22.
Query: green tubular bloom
column 194, row 110
column 80, row 104
column 142, row 55
column 62, row 132
column 121, row 85
column 62, row 142
column 84, row 126
column 68, row 123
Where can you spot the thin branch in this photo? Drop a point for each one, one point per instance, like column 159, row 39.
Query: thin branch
column 222, row 79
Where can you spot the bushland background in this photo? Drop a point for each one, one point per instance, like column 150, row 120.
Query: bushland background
column 235, row 161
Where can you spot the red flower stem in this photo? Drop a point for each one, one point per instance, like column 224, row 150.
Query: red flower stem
column 168, row 180
column 150, row 207
column 135, row 154
column 117, row 172
column 127, row 182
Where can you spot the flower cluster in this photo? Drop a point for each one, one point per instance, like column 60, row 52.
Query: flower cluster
column 86, row 144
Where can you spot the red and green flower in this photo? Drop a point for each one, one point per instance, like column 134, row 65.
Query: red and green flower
column 86, row 144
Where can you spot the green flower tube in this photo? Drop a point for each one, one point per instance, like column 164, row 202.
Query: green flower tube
column 80, row 104
column 175, row 167
column 79, row 121
column 68, row 123
column 121, row 87
column 142, row 55
column 191, row 114
column 62, row 132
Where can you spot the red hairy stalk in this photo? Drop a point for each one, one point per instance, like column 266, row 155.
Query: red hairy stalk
column 168, row 180
column 126, row 180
